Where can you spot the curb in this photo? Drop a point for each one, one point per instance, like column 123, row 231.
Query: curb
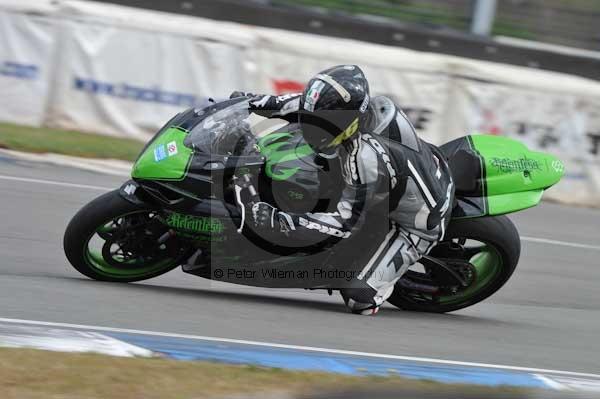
column 126, row 342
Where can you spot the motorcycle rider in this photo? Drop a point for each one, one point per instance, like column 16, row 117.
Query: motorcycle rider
column 379, row 151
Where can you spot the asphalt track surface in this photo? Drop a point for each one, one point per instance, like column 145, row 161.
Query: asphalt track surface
column 547, row 316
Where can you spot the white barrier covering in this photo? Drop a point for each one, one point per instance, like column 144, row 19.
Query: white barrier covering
column 26, row 47
column 414, row 80
column 128, row 82
column 125, row 71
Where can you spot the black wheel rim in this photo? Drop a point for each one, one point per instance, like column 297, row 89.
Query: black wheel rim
column 485, row 265
column 126, row 247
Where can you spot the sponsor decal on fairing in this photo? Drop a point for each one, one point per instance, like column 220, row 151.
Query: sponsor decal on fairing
column 160, row 153
column 172, row 148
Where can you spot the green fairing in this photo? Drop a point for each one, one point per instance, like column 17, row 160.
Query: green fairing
column 171, row 167
column 515, row 177
column 270, row 148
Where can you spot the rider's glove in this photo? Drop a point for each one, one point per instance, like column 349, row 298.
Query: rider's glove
column 263, row 215
column 268, row 217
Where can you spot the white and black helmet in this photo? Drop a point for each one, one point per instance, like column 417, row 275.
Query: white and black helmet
column 333, row 106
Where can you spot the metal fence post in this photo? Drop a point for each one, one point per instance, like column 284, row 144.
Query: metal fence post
column 484, row 13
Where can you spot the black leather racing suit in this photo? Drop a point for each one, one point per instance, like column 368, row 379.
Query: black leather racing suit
column 385, row 157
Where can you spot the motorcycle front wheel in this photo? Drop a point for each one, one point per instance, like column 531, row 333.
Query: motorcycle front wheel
column 111, row 239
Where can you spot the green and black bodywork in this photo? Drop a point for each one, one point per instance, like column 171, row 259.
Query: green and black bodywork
column 182, row 207
column 496, row 175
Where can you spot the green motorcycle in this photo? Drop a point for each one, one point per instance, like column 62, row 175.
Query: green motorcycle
column 184, row 206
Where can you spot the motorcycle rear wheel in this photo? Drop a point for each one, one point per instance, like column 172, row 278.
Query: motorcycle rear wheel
column 491, row 264
column 111, row 239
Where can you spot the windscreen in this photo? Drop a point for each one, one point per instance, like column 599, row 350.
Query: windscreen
column 223, row 132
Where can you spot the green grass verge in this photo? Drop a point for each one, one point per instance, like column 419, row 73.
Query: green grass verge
column 428, row 13
column 42, row 140
column 33, row 374
column 436, row 14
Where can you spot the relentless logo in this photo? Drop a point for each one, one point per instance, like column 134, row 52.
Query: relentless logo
column 197, row 224
column 558, row 166
column 508, row 165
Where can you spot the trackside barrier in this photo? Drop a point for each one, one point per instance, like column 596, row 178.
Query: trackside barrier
column 123, row 71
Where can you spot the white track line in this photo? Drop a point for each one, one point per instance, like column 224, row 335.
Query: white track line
column 550, row 382
column 99, row 188
column 302, row 348
column 563, row 243
column 55, row 183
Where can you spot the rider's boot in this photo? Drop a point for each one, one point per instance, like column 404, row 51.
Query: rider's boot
column 365, row 301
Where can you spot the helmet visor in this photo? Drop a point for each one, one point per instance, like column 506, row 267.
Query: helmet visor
column 325, row 130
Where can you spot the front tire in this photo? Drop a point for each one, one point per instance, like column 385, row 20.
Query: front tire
column 492, row 266
column 128, row 251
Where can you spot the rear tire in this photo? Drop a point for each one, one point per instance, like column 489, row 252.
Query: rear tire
column 499, row 234
column 87, row 223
